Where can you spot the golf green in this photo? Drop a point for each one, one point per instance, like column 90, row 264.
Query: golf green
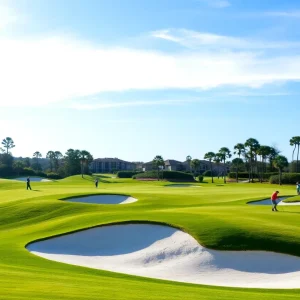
column 216, row 215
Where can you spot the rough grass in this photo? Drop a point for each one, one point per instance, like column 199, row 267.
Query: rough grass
column 215, row 214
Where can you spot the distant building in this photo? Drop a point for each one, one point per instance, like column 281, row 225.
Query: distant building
column 147, row 166
column 109, row 165
column 175, row 165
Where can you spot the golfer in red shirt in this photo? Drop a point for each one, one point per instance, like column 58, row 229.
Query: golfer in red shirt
column 274, row 197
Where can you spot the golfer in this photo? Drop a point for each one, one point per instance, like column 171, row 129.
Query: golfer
column 298, row 188
column 96, row 182
column 28, row 183
column 274, row 197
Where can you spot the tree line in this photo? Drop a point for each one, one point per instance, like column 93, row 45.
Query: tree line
column 250, row 156
column 255, row 158
column 54, row 165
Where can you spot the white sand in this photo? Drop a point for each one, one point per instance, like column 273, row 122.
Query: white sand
column 268, row 202
column 33, row 179
column 163, row 252
column 104, row 199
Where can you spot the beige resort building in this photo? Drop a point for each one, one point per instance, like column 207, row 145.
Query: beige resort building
column 109, row 165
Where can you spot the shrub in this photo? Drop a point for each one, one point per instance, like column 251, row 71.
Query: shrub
column 27, row 172
column 148, row 174
column 168, row 175
column 266, row 176
column 207, row 173
column 126, row 174
column 286, row 178
column 200, row 178
column 40, row 174
column 53, row 175
column 6, row 170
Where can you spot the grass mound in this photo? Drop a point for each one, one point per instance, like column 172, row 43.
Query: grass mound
column 292, row 199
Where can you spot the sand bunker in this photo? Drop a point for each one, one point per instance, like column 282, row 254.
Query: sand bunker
column 33, row 179
column 104, row 199
column 167, row 253
column 279, row 201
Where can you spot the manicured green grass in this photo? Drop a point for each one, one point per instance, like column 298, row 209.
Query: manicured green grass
column 215, row 214
column 293, row 199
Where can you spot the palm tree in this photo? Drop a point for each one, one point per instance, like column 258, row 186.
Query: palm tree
column 252, row 145
column 195, row 163
column 217, row 160
column 210, row 156
column 273, row 153
column 85, row 158
column 239, row 149
column 280, row 162
column 224, row 153
column 158, row 163
column 237, row 162
column 51, row 156
column 8, row 143
column 189, row 159
column 263, row 152
column 295, row 141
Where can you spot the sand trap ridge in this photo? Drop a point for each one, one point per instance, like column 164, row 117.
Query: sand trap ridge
column 268, row 202
column 167, row 253
column 104, row 199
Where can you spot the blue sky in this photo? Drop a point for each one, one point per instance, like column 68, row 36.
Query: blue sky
column 137, row 78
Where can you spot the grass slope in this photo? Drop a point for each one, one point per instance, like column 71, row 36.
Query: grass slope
column 293, row 199
column 215, row 214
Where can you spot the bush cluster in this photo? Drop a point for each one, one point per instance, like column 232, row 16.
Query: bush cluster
column 5, row 171
column 40, row 174
column 286, row 178
column 126, row 174
column 208, row 173
column 255, row 175
column 53, row 175
column 27, row 172
column 168, row 175
column 200, row 178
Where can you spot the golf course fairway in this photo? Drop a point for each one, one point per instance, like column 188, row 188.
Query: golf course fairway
column 216, row 216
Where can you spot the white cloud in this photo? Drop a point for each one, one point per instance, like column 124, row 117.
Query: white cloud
column 220, row 3
column 165, row 34
column 39, row 72
column 199, row 40
column 216, row 3
column 105, row 105
column 288, row 14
